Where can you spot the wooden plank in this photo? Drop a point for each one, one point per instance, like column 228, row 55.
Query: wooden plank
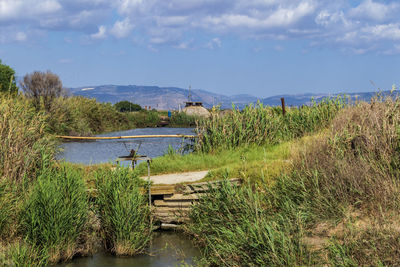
column 176, row 210
column 179, row 197
column 162, row 203
column 162, row 190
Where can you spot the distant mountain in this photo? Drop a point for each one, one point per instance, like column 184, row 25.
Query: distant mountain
column 165, row 98
column 305, row 99
column 162, row 98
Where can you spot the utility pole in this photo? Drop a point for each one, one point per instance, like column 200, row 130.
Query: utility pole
column 190, row 94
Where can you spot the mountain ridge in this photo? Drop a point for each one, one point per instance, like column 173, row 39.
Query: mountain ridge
column 170, row 98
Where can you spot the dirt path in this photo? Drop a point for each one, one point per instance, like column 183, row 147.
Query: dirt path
column 175, row 178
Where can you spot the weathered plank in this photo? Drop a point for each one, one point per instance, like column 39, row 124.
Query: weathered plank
column 162, row 190
column 180, row 197
column 162, row 203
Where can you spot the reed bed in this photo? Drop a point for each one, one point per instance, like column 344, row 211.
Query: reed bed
column 235, row 227
column 259, row 125
column 23, row 139
column 123, row 211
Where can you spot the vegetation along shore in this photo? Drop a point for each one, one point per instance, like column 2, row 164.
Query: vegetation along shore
column 320, row 183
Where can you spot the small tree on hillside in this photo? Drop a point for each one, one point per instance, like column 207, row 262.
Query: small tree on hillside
column 42, row 86
column 7, row 79
column 126, row 106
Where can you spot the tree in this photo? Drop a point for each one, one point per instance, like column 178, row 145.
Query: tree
column 126, row 106
column 7, row 79
column 42, row 86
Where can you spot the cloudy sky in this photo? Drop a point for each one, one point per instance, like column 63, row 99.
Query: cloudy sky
column 260, row 47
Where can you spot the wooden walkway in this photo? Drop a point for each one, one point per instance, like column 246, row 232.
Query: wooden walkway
column 172, row 203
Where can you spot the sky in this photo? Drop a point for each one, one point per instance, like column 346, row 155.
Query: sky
column 257, row 47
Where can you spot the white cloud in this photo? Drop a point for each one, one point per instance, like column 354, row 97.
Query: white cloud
column 101, row 34
column 214, row 43
column 122, row 28
column 374, row 10
column 20, row 37
column 368, row 25
column 383, row 31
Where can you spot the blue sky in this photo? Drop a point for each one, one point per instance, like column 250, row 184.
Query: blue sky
column 259, row 47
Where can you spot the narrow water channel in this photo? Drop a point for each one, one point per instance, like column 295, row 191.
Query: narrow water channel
column 167, row 248
column 102, row 151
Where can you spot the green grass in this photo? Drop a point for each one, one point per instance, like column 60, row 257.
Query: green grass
column 123, row 212
column 250, row 162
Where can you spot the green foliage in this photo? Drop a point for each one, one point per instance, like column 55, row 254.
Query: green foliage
column 126, row 106
column 235, row 227
column 264, row 125
column 84, row 116
column 55, row 212
column 182, row 119
column 22, row 254
column 123, row 211
column 7, row 79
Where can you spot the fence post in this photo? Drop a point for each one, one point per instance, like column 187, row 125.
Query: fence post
column 283, row 106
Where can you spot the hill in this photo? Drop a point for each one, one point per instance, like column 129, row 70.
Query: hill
column 164, row 98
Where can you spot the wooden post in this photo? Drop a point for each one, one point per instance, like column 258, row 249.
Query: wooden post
column 148, row 181
column 283, row 106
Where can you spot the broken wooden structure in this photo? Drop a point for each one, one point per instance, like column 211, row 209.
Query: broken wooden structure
column 172, row 203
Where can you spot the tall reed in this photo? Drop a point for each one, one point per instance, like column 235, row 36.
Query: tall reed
column 23, row 139
column 264, row 125
column 235, row 227
column 123, row 211
column 55, row 212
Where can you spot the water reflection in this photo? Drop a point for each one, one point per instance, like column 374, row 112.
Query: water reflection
column 167, row 249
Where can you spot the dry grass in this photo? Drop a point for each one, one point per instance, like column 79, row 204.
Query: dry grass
column 23, row 139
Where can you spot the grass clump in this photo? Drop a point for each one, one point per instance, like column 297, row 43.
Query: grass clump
column 123, row 212
column 55, row 213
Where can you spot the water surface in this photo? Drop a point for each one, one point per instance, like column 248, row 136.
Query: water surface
column 102, row 151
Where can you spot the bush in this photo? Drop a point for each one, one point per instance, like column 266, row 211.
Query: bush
column 126, row 106
column 182, row 119
column 55, row 212
column 123, row 211
column 7, row 79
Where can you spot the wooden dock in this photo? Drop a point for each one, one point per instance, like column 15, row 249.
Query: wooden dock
column 172, row 203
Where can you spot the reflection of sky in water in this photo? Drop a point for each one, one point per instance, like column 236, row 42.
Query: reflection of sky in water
column 101, row 151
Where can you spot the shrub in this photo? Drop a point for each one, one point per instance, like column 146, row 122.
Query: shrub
column 182, row 119
column 7, row 79
column 55, row 212
column 126, row 106
column 123, row 211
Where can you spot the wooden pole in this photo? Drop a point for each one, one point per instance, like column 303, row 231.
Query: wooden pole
column 283, row 106
column 126, row 137
column 148, row 181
